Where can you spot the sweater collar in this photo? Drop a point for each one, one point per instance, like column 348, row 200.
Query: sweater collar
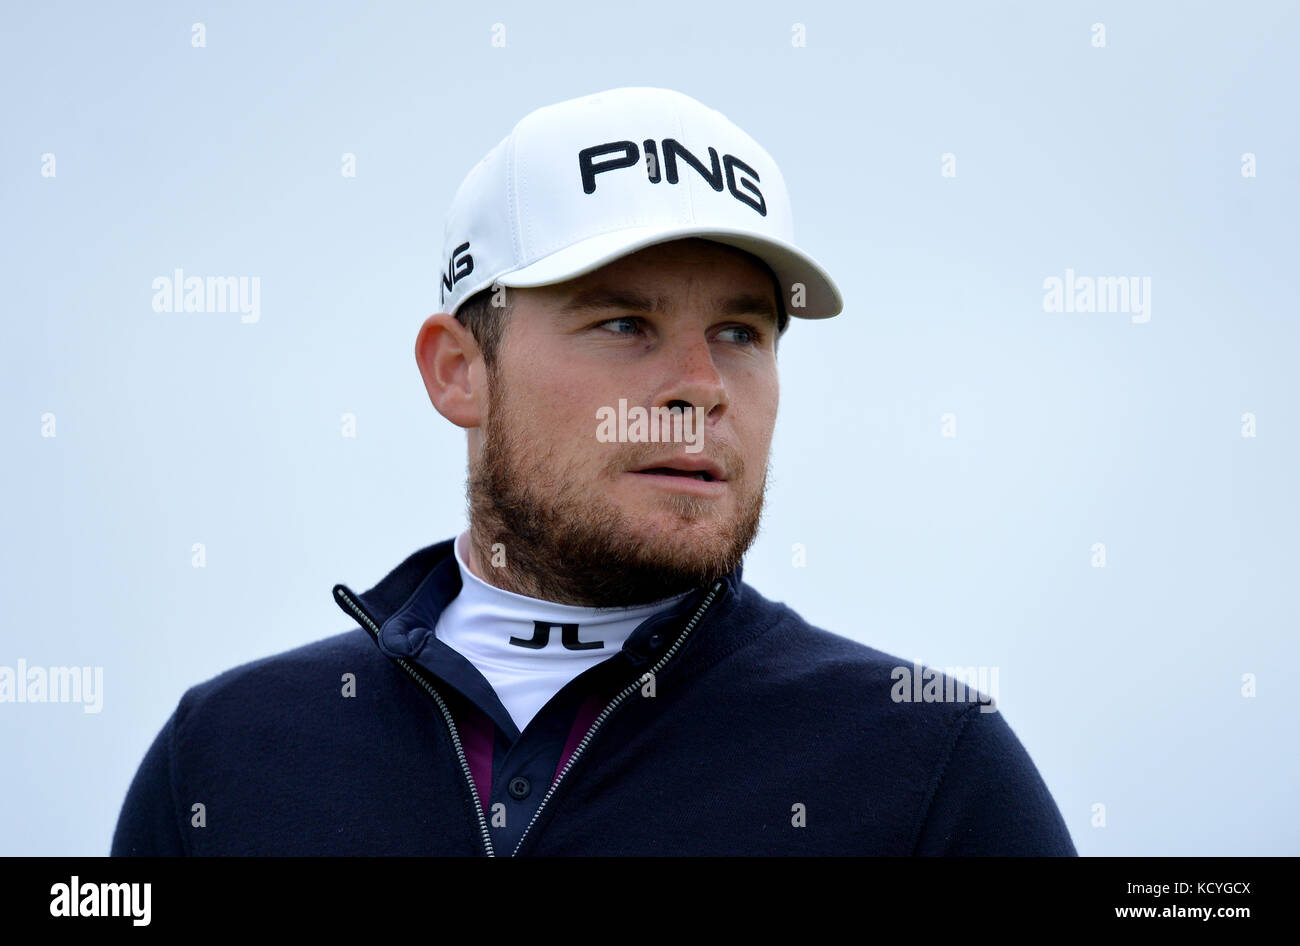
column 405, row 604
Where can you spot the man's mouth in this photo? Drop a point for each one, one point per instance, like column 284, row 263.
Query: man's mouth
column 696, row 468
column 704, row 475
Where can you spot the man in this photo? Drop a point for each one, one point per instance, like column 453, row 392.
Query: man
column 583, row 670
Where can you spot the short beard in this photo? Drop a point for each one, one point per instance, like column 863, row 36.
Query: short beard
column 563, row 544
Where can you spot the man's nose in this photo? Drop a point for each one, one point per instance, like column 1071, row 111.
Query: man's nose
column 693, row 380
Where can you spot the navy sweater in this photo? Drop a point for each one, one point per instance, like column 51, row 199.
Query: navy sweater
column 726, row 726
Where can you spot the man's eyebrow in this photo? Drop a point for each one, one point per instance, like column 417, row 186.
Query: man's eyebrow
column 605, row 297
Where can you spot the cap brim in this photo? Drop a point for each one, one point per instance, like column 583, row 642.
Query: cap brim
column 821, row 297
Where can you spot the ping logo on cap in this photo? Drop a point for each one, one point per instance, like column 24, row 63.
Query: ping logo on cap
column 460, row 265
column 626, row 154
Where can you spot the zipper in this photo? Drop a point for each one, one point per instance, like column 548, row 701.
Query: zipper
column 613, row 704
column 354, row 608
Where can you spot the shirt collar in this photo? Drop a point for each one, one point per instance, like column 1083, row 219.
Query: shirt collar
column 405, row 604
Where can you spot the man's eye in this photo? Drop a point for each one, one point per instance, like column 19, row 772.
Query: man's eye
column 625, row 321
column 748, row 336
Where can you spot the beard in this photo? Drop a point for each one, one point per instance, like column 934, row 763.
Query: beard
column 564, row 542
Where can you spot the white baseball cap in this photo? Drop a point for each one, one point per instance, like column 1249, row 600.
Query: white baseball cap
column 578, row 184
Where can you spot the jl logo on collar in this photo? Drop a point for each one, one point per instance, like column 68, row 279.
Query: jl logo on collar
column 568, row 636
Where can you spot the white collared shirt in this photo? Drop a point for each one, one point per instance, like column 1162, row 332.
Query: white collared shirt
column 481, row 620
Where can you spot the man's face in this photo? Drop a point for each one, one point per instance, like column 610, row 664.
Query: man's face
column 690, row 324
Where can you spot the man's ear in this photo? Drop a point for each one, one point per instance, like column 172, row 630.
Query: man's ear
column 452, row 367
